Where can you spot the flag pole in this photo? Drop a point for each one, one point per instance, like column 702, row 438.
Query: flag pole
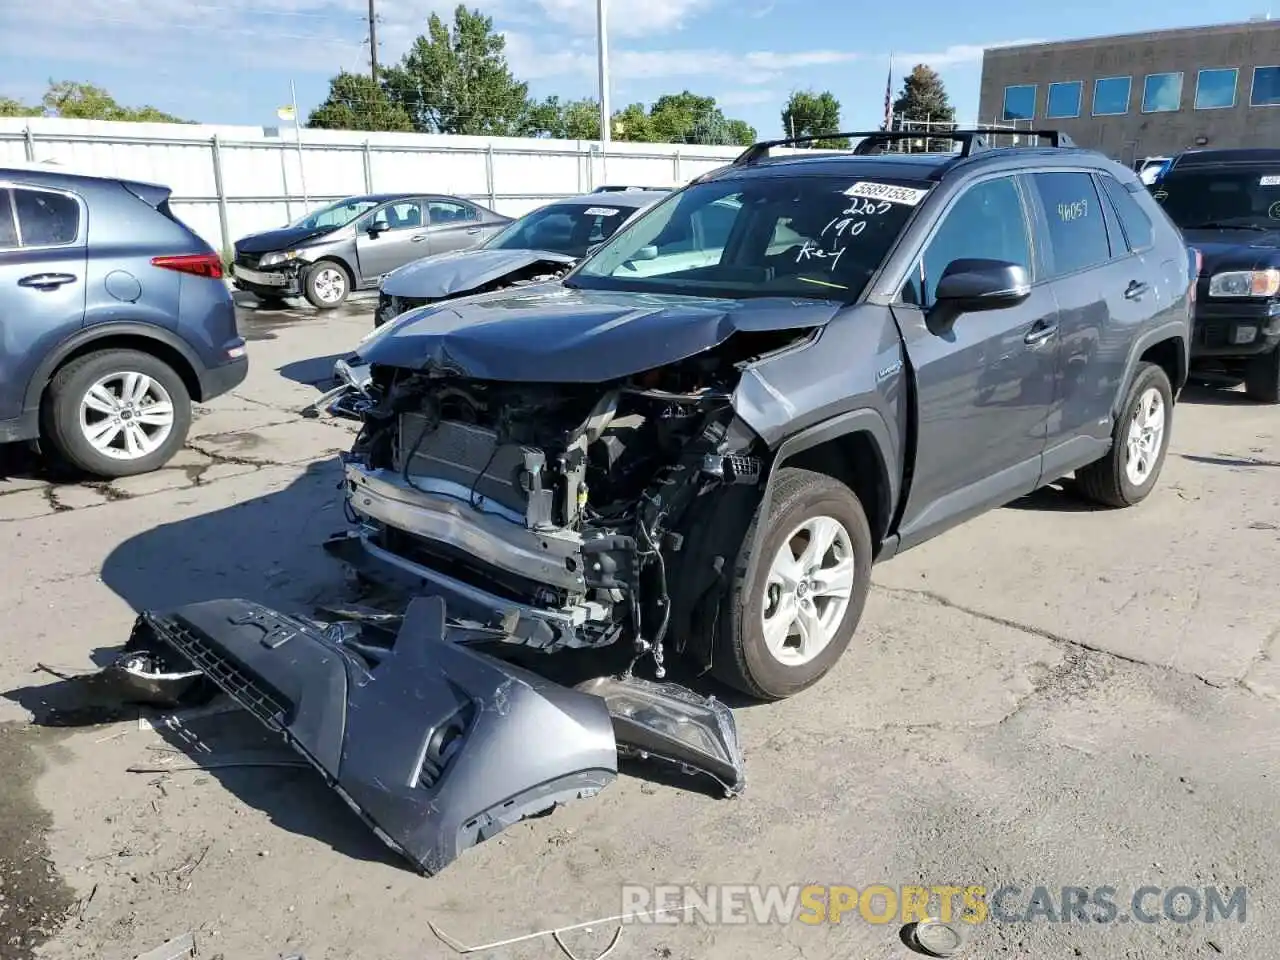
column 297, row 133
column 888, row 96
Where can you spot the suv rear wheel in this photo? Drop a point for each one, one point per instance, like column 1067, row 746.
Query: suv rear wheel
column 326, row 285
column 116, row 413
column 1139, row 441
column 787, row 624
column 1262, row 377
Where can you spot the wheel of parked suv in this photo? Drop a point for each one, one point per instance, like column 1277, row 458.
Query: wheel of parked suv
column 326, row 285
column 116, row 413
column 1262, row 378
column 787, row 624
column 1139, row 441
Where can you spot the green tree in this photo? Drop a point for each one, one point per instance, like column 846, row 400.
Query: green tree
column 633, row 124
column 923, row 97
column 456, row 80
column 10, row 107
column 687, row 117
column 356, row 102
column 808, row 114
column 84, row 101
column 574, row 120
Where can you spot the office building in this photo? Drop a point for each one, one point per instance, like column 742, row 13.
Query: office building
column 1145, row 94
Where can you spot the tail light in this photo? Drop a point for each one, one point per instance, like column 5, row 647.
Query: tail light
column 197, row 264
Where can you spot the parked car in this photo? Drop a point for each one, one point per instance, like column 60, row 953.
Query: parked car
column 1227, row 203
column 706, row 459
column 873, row 349
column 351, row 244
column 543, row 244
column 1151, row 168
column 115, row 317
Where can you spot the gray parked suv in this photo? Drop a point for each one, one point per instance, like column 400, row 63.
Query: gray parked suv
column 114, row 315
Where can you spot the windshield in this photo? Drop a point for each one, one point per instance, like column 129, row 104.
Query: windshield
column 1241, row 197
column 567, row 228
column 335, row 215
column 812, row 237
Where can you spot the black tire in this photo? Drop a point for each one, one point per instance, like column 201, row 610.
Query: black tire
column 321, row 271
column 60, row 412
column 1262, row 377
column 742, row 658
column 1106, row 481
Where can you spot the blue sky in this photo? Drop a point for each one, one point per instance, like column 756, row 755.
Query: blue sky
column 231, row 61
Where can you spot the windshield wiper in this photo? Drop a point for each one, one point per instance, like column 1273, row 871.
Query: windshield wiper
column 1223, row 225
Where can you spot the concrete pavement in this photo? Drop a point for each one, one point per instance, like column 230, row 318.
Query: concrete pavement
column 1048, row 695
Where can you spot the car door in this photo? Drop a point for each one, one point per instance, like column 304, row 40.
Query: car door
column 43, row 259
column 1105, row 292
column 454, row 225
column 984, row 380
column 391, row 236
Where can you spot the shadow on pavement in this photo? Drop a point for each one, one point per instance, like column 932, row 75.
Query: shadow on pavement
column 312, row 372
column 1060, row 497
column 1215, row 394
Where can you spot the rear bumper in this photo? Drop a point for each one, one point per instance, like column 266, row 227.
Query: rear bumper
column 215, row 381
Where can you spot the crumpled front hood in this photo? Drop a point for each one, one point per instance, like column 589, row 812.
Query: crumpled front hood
column 460, row 271
column 285, row 238
column 1234, row 249
column 550, row 333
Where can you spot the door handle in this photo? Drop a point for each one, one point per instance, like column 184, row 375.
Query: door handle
column 1040, row 333
column 46, row 281
column 1136, row 290
column 473, row 229
column 417, row 238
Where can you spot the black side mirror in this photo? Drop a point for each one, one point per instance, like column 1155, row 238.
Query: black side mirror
column 972, row 284
column 378, row 227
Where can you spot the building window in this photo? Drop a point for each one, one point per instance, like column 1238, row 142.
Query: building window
column 1216, row 89
column 1266, row 87
column 1162, row 93
column 1111, row 96
column 1020, row 102
column 1064, row 100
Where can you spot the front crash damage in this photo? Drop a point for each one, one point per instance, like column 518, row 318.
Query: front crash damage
column 436, row 745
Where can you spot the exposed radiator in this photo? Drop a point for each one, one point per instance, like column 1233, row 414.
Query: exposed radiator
column 465, row 455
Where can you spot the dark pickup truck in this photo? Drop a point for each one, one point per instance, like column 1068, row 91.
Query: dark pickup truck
column 681, row 448
column 1227, row 204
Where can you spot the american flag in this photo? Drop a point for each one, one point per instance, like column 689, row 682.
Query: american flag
column 888, row 97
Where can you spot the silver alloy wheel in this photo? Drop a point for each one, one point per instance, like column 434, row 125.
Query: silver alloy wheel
column 807, row 591
column 1146, row 437
column 126, row 415
column 330, row 284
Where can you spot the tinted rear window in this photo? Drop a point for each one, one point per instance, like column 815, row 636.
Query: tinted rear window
column 46, row 218
column 8, row 235
column 1136, row 224
column 1222, row 197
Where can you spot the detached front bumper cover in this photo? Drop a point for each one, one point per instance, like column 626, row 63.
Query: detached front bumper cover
column 434, row 744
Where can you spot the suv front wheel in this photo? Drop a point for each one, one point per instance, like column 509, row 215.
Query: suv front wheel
column 116, row 413
column 784, row 626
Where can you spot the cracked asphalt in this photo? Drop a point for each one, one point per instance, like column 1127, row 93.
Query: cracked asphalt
column 1049, row 696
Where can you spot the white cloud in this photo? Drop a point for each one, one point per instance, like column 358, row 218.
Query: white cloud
column 749, row 98
column 953, row 56
column 625, row 19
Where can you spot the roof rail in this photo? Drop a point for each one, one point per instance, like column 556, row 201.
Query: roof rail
column 626, row 188
column 873, row 141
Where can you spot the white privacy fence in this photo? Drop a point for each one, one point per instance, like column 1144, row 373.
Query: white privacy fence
column 231, row 181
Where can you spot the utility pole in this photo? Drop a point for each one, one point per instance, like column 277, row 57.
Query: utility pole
column 373, row 41
column 602, row 49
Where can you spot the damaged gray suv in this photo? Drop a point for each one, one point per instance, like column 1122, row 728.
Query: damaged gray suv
column 702, row 438
column 698, row 442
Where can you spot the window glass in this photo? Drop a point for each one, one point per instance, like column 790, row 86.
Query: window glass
column 1216, row 89
column 1077, row 228
column 987, row 223
column 1247, row 197
column 1162, row 93
column 1020, row 102
column 817, row 237
column 1064, row 100
column 1111, row 96
column 46, row 219
column 1137, row 225
column 1266, row 87
column 335, row 215
column 8, row 235
column 445, row 211
column 404, row 215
